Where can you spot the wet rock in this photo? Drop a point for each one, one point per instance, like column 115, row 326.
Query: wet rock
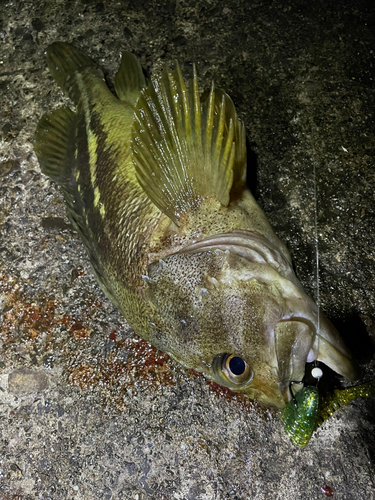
column 8, row 166
column 24, row 381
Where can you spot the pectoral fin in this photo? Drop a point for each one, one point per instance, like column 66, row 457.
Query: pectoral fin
column 293, row 340
column 186, row 150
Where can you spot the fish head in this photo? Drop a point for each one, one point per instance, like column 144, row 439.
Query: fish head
column 239, row 322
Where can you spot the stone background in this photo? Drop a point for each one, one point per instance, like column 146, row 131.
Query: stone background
column 87, row 409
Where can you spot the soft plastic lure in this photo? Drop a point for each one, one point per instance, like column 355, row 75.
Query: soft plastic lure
column 302, row 415
column 333, row 402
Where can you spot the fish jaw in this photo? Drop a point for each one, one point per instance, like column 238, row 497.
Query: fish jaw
column 265, row 389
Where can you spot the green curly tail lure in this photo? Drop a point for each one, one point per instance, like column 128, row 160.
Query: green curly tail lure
column 302, row 415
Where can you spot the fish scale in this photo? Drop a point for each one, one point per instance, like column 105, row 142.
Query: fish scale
column 106, row 160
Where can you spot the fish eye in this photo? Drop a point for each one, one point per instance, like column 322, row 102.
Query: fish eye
column 232, row 368
column 235, row 365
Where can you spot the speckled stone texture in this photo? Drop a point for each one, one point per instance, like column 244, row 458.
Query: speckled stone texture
column 87, row 409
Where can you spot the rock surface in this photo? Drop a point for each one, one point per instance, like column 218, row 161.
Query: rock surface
column 87, row 409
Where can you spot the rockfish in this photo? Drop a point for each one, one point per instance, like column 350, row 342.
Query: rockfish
column 154, row 181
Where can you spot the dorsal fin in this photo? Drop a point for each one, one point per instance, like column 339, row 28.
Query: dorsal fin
column 54, row 147
column 53, row 138
column 185, row 150
column 129, row 79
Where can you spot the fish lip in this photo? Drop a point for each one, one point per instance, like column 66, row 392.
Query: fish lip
column 250, row 245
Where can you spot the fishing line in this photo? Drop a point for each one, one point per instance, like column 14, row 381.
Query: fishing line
column 316, row 372
column 316, row 245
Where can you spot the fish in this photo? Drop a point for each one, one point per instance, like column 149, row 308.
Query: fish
column 154, row 181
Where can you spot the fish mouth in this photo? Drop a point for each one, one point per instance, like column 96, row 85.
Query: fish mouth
column 249, row 245
column 300, row 343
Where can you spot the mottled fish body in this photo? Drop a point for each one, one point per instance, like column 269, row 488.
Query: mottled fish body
column 154, row 182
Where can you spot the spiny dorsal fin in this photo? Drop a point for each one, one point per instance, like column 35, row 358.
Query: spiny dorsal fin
column 185, row 150
column 64, row 60
column 129, row 79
